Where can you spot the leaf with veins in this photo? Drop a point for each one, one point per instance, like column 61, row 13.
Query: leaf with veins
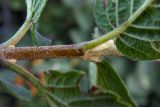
column 141, row 40
column 34, row 9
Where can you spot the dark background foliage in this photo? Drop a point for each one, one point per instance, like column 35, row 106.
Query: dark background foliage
column 67, row 22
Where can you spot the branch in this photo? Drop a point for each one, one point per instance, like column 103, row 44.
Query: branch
column 59, row 51
column 88, row 50
column 42, row 52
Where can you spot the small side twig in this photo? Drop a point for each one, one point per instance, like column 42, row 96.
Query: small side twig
column 21, row 71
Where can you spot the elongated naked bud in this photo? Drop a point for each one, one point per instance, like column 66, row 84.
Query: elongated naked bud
column 42, row 52
column 105, row 49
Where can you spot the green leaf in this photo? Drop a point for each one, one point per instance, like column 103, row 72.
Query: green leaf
column 17, row 91
column 136, row 23
column 34, row 9
column 64, row 89
column 109, row 80
column 38, row 39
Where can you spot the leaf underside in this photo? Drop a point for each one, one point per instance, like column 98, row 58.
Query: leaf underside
column 108, row 79
column 38, row 39
column 34, row 9
column 141, row 40
column 65, row 91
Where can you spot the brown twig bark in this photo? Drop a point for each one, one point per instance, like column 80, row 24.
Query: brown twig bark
column 60, row 51
column 41, row 52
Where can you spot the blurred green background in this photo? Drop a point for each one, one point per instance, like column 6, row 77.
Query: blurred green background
column 68, row 22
